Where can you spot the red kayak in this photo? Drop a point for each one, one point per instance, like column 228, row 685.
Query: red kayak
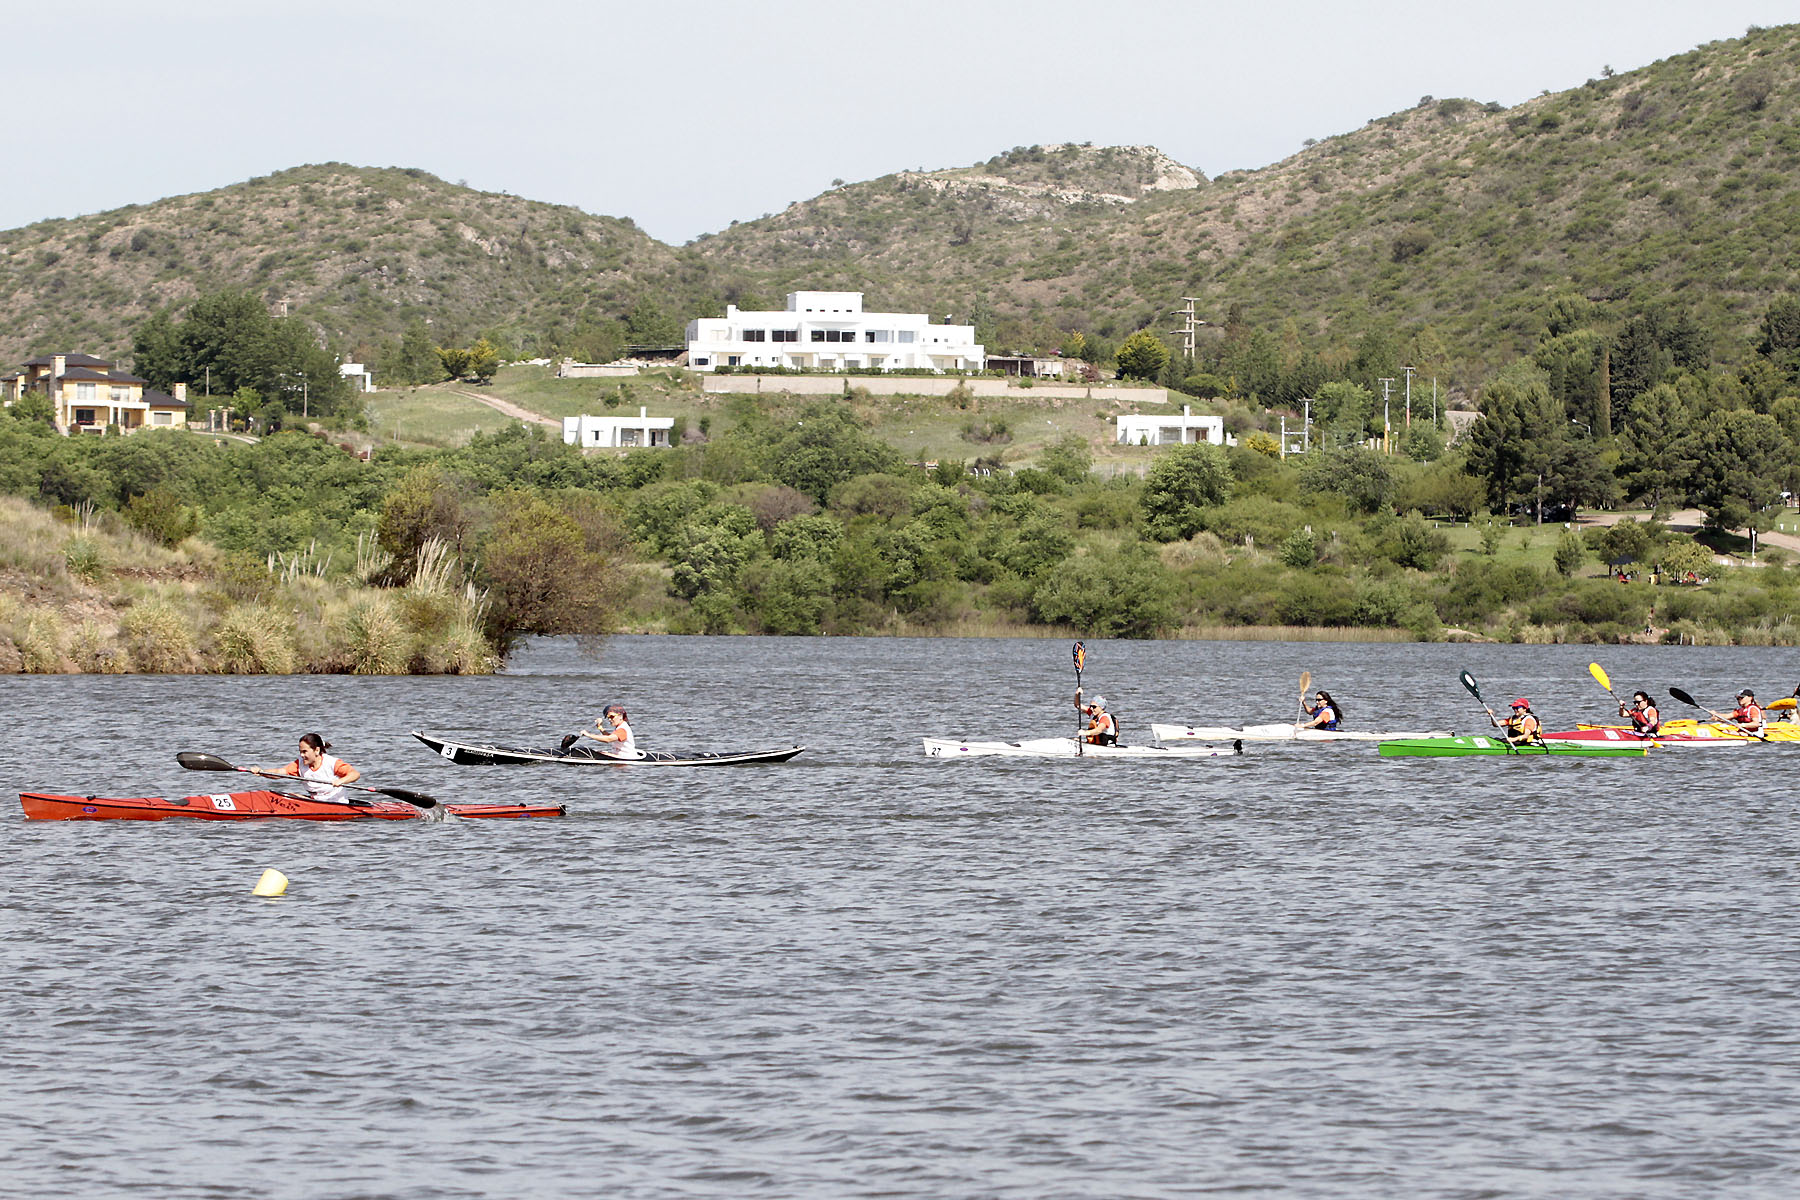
column 1613, row 735
column 250, row 806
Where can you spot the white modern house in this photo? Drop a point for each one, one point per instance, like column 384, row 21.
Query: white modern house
column 1156, row 429
column 829, row 331
column 618, row 432
column 360, row 377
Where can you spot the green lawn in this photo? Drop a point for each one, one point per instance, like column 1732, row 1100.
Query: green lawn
column 429, row 417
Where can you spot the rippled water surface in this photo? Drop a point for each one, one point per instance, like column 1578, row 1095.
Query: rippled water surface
column 1305, row 972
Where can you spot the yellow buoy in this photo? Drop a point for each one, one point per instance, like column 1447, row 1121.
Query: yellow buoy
column 272, row 883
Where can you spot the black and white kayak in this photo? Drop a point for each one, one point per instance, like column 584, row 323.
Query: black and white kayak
column 1065, row 747
column 475, row 754
column 1277, row 733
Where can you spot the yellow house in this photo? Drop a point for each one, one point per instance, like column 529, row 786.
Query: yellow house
column 87, row 394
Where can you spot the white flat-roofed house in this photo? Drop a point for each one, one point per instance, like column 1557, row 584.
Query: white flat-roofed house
column 829, row 331
column 360, row 377
column 618, row 432
column 1158, row 429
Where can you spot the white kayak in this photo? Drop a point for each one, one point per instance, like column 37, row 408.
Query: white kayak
column 1064, row 747
column 1277, row 733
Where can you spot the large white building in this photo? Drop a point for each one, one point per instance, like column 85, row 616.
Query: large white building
column 829, row 331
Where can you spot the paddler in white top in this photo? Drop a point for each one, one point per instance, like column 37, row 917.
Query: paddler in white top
column 1101, row 729
column 623, row 744
column 320, row 771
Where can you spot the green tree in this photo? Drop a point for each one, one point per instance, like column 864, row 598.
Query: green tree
column 1142, row 356
column 1571, row 552
column 1126, row 593
column 1184, row 480
column 455, row 360
column 1739, row 461
column 1068, row 459
column 1358, row 474
column 484, row 361
column 542, row 573
column 417, row 360
column 1656, row 455
column 1522, row 447
column 648, row 325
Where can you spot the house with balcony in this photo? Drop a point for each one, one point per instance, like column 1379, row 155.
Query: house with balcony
column 593, row 433
column 88, row 394
column 1159, row 429
column 829, row 331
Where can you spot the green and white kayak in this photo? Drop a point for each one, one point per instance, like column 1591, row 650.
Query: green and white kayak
column 1461, row 747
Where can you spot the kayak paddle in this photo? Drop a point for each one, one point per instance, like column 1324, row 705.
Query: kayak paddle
column 1305, row 686
column 1080, row 655
column 1693, row 703
column 195, row 760
column 1468, row 681
column 1600, row 678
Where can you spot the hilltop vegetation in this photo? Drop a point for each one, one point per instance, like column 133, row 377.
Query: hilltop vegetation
column 1440, row 229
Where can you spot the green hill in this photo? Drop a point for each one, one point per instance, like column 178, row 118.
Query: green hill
column 1447, row 226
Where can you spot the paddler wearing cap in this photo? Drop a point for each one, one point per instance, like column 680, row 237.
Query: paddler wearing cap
column 1101, row 729
column 614, row 727
column 1748, row 715
column 1521, row 729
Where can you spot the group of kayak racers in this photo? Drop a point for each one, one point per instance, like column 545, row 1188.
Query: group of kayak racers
column 324, row 775
column 1523, row 728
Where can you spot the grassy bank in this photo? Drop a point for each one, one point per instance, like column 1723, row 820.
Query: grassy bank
column 89, row 595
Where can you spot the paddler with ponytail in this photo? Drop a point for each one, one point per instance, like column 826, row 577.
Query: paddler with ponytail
column 319, row 771
column 1523, row 727
column 1645, row 720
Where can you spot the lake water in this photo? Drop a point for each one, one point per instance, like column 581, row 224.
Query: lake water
column 1308, row 971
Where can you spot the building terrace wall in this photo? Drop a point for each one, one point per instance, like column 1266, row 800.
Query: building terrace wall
column 924, row 385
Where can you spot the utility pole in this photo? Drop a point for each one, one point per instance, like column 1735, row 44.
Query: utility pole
column 1434, row 420
column 1386, row 383
column 1190, row 326
column 1409, row 375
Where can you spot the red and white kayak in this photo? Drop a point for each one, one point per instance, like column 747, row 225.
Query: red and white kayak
column 250, row 806
column 1663, row 741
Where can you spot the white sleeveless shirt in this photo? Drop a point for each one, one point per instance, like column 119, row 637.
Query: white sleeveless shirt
column 321, row 781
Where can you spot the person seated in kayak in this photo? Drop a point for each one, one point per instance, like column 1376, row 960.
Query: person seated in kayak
column 619, row 739
column 1101, row 729
column 1748, row 715
column 319, row 771
column 1645, row 720
column 1323, row 712
column 1522, row 727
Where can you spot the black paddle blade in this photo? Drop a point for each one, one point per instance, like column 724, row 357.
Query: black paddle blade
column 1468, row 681
column 1684, row 697
column 416, row 799
column 194, row 760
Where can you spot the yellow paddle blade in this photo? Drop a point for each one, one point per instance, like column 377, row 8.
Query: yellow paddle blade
column 1599, row 676
column 1781, row 705
column 1305, row 683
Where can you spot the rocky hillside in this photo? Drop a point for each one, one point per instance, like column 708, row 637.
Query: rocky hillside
column 1449, row 225
column 358, row 251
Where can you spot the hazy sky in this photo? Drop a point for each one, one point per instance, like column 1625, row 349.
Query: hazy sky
column 687, row 114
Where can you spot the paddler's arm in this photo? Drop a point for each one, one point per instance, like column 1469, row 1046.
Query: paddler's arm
column 346, row 773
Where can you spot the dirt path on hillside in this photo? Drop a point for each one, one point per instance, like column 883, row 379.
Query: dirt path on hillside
column 508, row 408
column 1691, row 520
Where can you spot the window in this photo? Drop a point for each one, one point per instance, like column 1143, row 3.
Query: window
column 818, row 335
column 84, row 392
column 755, row 335
column 121, row 395
column 878, row 335
column 784, row 335
column 162, row 418
column 702, row 361
column 834, row 335
column 84, row 416
column 906, row 335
